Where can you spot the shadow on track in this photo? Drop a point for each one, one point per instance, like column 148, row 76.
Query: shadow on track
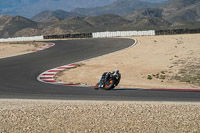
column 162, row 90
column 122, row 89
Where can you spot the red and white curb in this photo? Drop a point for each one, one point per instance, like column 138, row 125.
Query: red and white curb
column 48, row 76
column 45, row 47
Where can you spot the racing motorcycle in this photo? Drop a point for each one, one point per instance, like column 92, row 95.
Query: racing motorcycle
column 108, row 81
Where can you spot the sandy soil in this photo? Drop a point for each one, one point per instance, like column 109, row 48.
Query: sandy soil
column 100, row 116
column 153, row 55
column 13, row 49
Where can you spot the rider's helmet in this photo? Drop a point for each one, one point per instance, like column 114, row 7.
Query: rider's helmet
column 116, row 71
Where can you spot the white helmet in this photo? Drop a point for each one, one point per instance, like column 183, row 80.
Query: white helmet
column 116, row 71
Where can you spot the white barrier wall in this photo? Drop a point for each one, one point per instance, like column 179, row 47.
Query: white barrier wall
column 94, row 35
column 123, row 33
column 34, row 38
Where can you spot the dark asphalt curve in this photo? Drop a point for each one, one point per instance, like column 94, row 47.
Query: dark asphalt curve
column 18, row 75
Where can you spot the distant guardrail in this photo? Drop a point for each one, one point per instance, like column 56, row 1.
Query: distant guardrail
column 18, row 39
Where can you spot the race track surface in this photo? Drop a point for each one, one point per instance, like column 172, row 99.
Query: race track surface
column 18, row 75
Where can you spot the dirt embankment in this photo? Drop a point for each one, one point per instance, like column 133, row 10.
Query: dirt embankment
column 98, row 116
column 155, row 62
column 18, row 48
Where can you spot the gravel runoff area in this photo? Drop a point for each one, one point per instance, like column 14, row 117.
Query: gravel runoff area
column 48, row 116
column 9, row 49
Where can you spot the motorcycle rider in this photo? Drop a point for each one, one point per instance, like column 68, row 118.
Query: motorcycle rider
column 107, row 75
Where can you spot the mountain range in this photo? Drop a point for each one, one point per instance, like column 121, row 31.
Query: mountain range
column 119, row 7
column 28, row 8
column 170, row 15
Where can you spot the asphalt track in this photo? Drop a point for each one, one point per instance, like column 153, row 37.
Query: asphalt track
column 18, row 75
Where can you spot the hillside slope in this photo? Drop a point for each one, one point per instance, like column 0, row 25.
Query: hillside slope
column 9, row 25
column 182, row 10
column 174, row 14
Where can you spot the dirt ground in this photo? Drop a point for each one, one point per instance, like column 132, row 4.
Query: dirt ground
column 33, row 116
column 155, row 62
column 13, row 49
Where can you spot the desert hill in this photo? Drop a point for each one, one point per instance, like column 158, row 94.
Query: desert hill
column 182, row 10
column 9, row 25
column 173, row 11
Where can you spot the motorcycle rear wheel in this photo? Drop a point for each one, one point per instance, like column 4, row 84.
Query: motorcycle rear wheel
column 109, row 85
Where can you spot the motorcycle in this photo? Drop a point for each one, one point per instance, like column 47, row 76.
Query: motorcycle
column 108, row 81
